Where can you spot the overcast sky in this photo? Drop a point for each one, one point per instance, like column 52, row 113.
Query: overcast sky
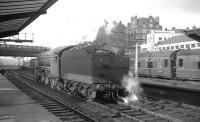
column 69, row 22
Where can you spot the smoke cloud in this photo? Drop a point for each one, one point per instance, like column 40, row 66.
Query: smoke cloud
column 131, row 85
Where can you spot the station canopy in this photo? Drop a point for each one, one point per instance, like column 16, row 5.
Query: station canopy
column 15, row 15
column 194, row 34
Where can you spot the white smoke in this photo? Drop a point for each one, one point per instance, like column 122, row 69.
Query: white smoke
column 108, row 27
column 131, row 84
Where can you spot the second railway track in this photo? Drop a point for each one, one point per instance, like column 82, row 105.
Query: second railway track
column 149, row 111
column 64, row 112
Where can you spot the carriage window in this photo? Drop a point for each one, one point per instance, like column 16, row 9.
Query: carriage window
column 193, row 45
column 182, row 46
column 198, row 44
column 198, row 65
column 166, row 62
column 177, row 47
column 187, row 46
column 168, row 48
column 163, row 48
column 180, row 63
column 138, row 64
column 172, row 47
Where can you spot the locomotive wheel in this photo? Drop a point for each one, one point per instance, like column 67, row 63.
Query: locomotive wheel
column 90, row 93
column 79, row 88
column 39, row 78
column 53, row 83
column 58, row 85
column 114, row 95
column 47, row 80
column 43, row 78
column 68, row 85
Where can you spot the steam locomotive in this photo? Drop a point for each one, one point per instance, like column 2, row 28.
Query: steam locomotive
column 84, row 69
column 179, row 64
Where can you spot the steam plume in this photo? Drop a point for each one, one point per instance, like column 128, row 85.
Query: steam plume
column 131, row 84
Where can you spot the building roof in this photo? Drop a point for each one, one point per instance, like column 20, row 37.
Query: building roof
column 175, row 39
column 194, row 34
column 15, row 15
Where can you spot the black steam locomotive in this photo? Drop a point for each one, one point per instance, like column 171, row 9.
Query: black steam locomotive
column 83, row 69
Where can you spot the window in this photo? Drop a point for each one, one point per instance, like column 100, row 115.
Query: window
column 138, row 64
column 151, row 25
column 177, row 47
column 193, row 45
column 172, row 47
column 149, row 64
column 160, row 48
column 144, row 36
column 180, row 62
column 166, row 62
column 163, row 48
column 165, row 38
column 199, row 65
column 198, row 44
column 187, row 46
column 182, row 46
column 160, row 38
column 159, row 63
column 167, row 47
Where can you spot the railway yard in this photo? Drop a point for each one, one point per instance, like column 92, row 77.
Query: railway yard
column 96, row 69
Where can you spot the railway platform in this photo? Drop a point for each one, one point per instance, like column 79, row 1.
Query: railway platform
column 175, row 84
column 15, row 106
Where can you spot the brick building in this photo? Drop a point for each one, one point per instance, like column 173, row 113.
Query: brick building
column 126, row 36
column 138, row 28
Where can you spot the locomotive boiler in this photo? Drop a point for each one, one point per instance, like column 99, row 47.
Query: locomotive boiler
column 83, row 69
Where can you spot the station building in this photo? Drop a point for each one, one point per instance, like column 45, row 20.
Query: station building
column 177, row 42
column 156, row 36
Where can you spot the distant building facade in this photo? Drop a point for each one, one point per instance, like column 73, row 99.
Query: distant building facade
column 138, row 29
column 126, row 36
column 157, row 36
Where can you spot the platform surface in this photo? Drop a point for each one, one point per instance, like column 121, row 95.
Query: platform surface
column 15, row 106
column 186, row 85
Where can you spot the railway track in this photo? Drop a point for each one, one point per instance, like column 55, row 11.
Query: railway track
column 152, row 109
column 182, row 111
column 137, row 114
column 64, row 112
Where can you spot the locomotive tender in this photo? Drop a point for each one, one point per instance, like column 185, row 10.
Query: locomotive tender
column 179, row 64
column 82, row 69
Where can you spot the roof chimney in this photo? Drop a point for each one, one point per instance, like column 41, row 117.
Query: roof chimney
column 194, row 27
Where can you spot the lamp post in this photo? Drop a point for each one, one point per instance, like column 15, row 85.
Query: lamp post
column 136, row 60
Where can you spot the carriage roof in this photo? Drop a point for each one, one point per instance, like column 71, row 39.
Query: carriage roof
column 189, row 52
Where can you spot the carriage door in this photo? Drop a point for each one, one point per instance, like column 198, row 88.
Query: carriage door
column 173, row 58
column 149, row 65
